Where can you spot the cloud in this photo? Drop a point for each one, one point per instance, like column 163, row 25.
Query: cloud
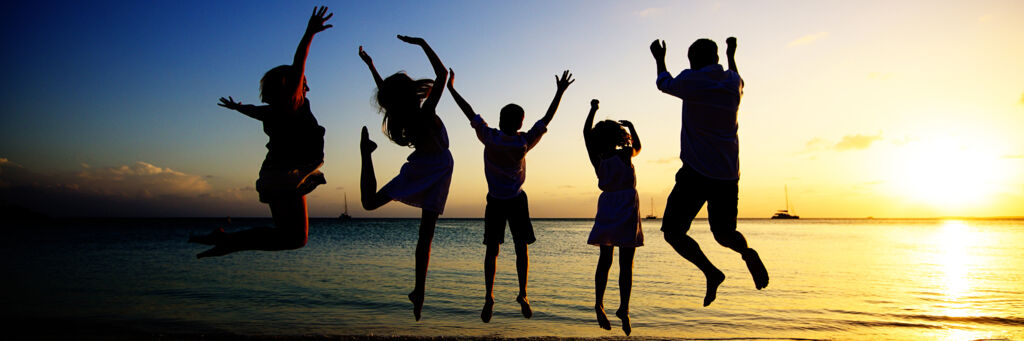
column 850, row 142
column 664, row 160
column 138, row 189
column 649, row 12
column 807, row 39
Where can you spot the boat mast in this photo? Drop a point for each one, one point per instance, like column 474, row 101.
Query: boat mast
column 346, row 203
column 786, row 189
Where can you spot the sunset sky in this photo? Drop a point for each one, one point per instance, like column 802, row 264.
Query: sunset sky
column 863, row 108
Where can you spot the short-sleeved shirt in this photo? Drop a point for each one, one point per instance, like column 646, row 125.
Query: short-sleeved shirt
column 711, row 99
column 505, row 156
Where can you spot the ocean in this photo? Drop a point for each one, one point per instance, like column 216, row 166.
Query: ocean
column 830, row 279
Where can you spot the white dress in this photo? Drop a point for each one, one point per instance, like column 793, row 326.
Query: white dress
column 618, row 208
column 426, row 175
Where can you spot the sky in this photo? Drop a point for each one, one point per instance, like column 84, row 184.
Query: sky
column 859, row 109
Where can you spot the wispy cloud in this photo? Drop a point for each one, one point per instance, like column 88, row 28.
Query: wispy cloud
column 858, row 141
column 664, row 160
column 807, row 39
column 649, row 12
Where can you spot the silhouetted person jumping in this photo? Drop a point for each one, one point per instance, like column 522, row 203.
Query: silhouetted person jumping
column 410, row 120
column 617, row 224
column 709, row 148
column 294, row 155
column 505, row 168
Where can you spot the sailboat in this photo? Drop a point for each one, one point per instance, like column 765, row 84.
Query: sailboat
column 784, row 214
column 651, row 216
column 345, row 215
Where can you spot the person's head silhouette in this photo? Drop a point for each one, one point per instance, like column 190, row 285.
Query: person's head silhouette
column 511, row 119
column 702, row 52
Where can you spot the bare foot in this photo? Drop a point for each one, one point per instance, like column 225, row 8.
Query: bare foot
column 524, row 304
column 714, row 280
column 624, row 316
column 488, row 311
column 366, row 146
column 417, row 303
column 756, row 268
column 602, row 318
column 215, row 237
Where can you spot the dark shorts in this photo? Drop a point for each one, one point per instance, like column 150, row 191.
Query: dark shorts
column 516, row 212
column 690, row 193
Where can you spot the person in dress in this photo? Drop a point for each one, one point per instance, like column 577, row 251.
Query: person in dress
column 410, row 120
column 617, row 223
column 294, row 155
column 505, row 169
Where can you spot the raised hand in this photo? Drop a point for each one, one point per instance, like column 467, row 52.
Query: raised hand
column 317, row 20
column 730, row 46
column 365, row 56
column 593, row 104
column 658, row 49
column 412, row 40
column 451, row 79
column 563, row 83
column 626, row 123
column 230, row 103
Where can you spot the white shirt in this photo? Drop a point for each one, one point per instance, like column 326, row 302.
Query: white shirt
column 505, row 157
column 711, row 99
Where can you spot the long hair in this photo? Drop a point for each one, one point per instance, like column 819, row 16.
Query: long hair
column 399, row 98
column 610, row 136
column 278, row 87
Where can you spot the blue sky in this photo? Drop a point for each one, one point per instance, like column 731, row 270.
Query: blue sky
column 118, row 99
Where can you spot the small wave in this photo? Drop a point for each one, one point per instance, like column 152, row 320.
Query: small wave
column 995, row 320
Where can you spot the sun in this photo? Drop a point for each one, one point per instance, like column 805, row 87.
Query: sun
column 946, row 174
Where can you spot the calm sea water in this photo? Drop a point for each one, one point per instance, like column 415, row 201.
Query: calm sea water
column 845, row 279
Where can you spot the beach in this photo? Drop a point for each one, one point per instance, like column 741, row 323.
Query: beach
column 831, row 279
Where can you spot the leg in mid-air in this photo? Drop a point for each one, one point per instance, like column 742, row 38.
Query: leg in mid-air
column 682, row 206
column 625, row 286
column 722, row 218
column 428, row 222
column 490, row 261
column 604, row 263
column 290, row 231
column 522, row 269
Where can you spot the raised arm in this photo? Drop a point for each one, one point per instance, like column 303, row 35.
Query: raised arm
column 658, row 51
column 258, row 112
column 635, row 143
column 588, row 127
column 560, row 84
column 466, row 109
column 730, row 52
column 315, row 25
column 439, row 70
column 369, row 63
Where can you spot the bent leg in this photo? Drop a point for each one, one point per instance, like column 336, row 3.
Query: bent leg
column 604, row 263
column 722, row 218
column 368, row 194
column 625, row 286
column 685, row 200
column 291, row 231
column 428, row 222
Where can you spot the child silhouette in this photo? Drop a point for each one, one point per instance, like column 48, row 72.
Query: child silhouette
column 410, row 120
column 505, row 168
column 294, row 153
column 617, row 223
